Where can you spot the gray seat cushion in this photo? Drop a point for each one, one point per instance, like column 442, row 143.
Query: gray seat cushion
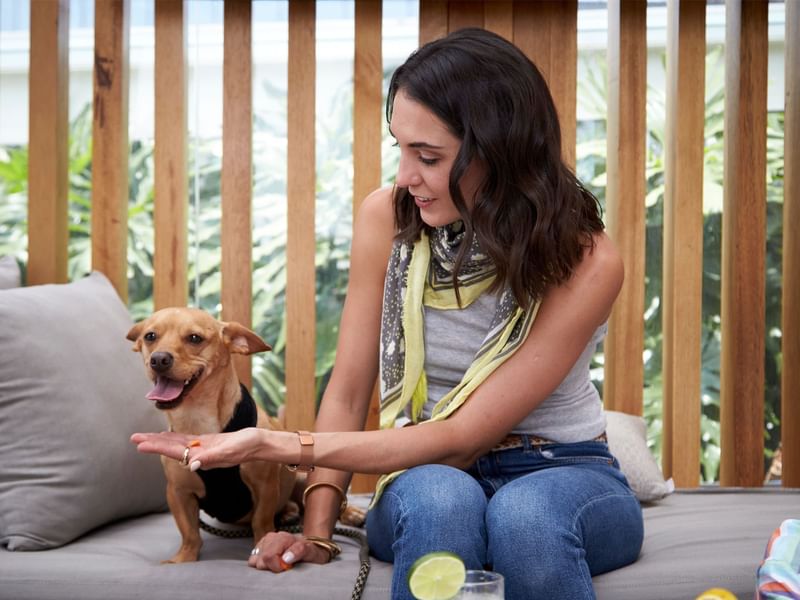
column 693, row 541
column 122, row 561
column 696, row 540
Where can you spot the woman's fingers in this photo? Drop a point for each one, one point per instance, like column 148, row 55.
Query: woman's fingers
column 268, row 552
column 168, row 443
column 280, row 551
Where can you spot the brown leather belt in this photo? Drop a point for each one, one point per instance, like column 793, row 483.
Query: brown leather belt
column 514, row 440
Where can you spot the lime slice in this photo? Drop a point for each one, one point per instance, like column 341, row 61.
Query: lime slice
column 436, row 576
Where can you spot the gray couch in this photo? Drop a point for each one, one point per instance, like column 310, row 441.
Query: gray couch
column 83, row 516
column 694, row 541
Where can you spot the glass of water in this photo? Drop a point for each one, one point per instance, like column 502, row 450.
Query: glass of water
column 482, row 585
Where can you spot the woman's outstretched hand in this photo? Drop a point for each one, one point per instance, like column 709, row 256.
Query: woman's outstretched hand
column 209, row 451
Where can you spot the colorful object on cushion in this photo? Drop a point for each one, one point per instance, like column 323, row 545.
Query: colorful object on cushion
column 779, row 573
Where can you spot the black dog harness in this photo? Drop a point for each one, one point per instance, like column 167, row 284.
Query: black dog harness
column 227, row 497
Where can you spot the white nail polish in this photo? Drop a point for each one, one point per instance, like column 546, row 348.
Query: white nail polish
column 288, row 557
column 195, row 465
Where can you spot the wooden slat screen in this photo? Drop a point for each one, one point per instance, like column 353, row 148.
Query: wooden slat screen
column 682, row 278
column 300, row 238
column 48, row 144
column 547, row 31
column 744, row 245
column 367, row 99
column 433, row 17
column 237, row 173
column 548, row 34
column 110, row 142
column 790, row 385
column 170, row 283
column 367, row 120
column 625, row 191
column 499, row 18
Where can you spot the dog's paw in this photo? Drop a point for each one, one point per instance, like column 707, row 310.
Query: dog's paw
column 181, row 557
column 353, row 516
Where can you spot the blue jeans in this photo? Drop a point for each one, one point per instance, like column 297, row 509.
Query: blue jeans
column 547, row 517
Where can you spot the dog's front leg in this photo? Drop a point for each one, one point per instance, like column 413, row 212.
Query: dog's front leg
column 185, row 509
column 264, row 483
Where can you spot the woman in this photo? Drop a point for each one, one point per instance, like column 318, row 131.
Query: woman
column 506, row 463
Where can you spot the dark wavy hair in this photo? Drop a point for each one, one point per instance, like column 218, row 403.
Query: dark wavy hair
column 531, row 214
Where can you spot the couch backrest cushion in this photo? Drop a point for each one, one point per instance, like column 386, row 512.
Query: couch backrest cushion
column 9, row 273
column 71, row 394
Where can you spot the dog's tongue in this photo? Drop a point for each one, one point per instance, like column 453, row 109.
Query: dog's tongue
column 165, row 390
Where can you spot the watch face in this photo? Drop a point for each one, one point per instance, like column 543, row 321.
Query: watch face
column 306, row 453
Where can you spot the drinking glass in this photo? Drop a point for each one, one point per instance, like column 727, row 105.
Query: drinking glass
column 482, row 585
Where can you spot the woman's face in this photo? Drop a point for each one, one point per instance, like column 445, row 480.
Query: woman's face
column 427, row 153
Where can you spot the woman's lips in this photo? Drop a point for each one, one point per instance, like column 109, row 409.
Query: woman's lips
column 422, row 201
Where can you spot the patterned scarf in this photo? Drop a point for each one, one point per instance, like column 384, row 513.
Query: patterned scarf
column 422, row 274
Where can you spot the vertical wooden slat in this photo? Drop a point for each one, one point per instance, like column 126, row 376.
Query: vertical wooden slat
column 790, row 383
column 625, row 193
column 464, row 14
column 237, row 169
column 433, row 16
column 48, row 159
column 743, row 245
column 367, row 119
column 110, row 142
column 498, row 16
column 548, row 33
column 682, row 295
column 170, row 187
column 367, row 99
column 300, row 238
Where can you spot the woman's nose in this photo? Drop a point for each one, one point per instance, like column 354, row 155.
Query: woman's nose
column 407, row 174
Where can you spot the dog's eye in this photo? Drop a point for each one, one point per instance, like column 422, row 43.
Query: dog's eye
column 150, row 336
column 195, row 339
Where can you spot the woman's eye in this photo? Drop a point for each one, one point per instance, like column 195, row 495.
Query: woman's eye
column 428, row 161
column 195, row 339
column 150, row 336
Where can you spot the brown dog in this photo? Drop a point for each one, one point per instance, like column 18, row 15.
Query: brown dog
column 188, row 355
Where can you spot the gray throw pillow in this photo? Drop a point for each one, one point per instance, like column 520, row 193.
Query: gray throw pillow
column 71, row 394
column 9, row 273
column 627, row 441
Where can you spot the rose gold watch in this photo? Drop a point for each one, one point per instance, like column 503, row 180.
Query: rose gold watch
column 306, row 464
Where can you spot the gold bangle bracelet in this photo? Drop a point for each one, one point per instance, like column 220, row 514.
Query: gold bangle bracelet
column 342, row 495
column 330, row 546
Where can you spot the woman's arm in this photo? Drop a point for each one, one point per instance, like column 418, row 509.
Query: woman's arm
column 346, row 400
column 567, row 318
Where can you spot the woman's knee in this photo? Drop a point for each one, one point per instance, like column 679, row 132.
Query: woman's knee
column 437, row 492
column 431, row 505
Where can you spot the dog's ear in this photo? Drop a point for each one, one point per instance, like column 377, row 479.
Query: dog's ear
column 240, row 340
column 133, row 335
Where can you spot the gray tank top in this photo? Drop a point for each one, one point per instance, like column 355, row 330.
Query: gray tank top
column 572, row 413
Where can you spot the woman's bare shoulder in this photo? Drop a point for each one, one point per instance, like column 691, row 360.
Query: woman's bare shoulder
column 604, row 260
column 374, row 232
column 377, row 208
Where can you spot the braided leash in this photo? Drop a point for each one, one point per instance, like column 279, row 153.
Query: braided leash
column 363, row 553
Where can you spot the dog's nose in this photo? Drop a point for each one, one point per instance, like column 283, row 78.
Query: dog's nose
column 160, row 361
